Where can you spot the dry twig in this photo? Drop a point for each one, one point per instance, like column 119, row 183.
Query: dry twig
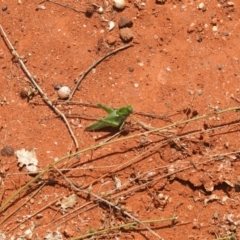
column 66, row 6
column 84, row 74
column 43, row 95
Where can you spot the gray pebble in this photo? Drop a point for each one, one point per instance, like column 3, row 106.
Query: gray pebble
column 7, row 151
column 57, row 86
column 225, row 33
column 4, row 8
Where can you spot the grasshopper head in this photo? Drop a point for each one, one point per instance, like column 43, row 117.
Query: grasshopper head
column 125, row 111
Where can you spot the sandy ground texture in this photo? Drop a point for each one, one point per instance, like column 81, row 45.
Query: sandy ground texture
column 172, row 171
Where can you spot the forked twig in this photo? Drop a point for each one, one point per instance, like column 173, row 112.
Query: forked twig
column 84, row 74
column 108, row 203
column 43, row 95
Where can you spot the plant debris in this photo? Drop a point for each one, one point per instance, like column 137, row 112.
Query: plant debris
column 67, row 202
column 28, row 159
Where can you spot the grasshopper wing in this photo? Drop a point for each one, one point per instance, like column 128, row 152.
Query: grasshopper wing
column 112, row 120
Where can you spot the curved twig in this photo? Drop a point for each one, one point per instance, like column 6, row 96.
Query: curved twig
column 84, row 74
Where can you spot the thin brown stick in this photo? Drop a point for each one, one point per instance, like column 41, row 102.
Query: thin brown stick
column 84, row 74
column 108, row 203
column 236, row 99
column 43, row 95
column 66, row 6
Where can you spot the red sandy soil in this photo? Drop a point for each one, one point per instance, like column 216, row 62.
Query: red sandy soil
column 183, row 63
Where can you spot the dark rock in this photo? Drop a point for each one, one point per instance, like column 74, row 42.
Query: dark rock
column 4, row 8
column 7, row 151
column 125, row 22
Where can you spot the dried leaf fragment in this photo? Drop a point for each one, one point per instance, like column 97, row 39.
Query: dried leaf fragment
column 212, row 197
column 27, row 158
column 53, row 236
column 68, row 202
column 41, row 7
column 118, row 183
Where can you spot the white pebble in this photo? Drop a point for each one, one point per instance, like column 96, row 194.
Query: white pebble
column 111, row 25
column 120, row 4
column 215, row 28
column 100, row 9
column 201, row 6
column 64, row 92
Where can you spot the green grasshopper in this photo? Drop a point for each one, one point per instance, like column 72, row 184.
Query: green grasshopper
column 116, row 117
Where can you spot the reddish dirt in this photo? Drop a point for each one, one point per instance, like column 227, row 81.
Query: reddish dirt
column 183, row 63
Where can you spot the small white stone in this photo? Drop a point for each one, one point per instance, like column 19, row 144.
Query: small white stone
column 215, row 28
column 64, row 92
column 119, row 4
column 111, row 25
column 28, row 234
column 230, row 4
column 136, row 85
column 100, row 9
column 201, row 6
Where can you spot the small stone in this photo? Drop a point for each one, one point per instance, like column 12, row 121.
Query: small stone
column 22, row 226
column 161, row 1
column 225, row 34
column 126, row 34
column 64, row 92
column 214, row 21
column 7, row 151
column 131, row 69
column 89, row 11
column 41, row 7
column 215, row 28
column 230, row 4
column 24, row 92
column 125, row 22
column 199, row 92
column 191, row 28
column 201, row 6
column 68, row 232
column 38, row 216
column 28, row 234
column 199, row 38
column 4, row 8
column 57, row 86
column 111, row 40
